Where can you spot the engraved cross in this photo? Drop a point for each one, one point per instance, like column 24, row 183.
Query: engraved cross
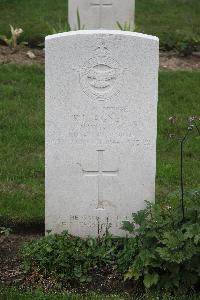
column 100, row 174
column 101, row 4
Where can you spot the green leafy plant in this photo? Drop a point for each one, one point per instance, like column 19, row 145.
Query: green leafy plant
column 68, row 258
column 166, row 244
column 166, row 250
column 12, row 41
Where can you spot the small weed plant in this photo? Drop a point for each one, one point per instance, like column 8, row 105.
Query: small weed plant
column 59, row 27
column 4, row 231
column 65, row 27
column 12, row 40
column 128, row 26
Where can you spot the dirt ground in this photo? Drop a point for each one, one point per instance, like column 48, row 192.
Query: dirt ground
column 9, row 257
column 24, row 55
column 105, row 280
column 173, row 61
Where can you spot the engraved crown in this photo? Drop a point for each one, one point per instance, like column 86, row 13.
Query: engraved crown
column 102, row 50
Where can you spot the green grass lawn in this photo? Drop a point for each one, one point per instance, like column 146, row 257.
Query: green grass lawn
column 14, row 295
column 22, row 141
column 163, row 18
column 22, row 138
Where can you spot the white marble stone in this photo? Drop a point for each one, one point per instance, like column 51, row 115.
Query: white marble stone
column 101, row 124
column 104, row 14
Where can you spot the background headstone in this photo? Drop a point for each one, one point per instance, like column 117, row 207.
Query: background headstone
column 101, row 124
column 96, row 14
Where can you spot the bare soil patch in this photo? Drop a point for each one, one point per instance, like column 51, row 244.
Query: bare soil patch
column 25, row 55
column 9, row 257
column 172, row 61
column 22, row 55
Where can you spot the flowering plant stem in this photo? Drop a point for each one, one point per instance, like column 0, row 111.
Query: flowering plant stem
column 183, row 140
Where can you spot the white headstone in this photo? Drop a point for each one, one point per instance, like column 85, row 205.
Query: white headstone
column 101, row 124
column 96, row 14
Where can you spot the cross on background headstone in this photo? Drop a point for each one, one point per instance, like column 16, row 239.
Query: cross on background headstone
column 100, row 173
column 104, row 14
column 101, row 5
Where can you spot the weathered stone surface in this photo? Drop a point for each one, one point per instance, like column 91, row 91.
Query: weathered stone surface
column 104, row 14
column 101, row 124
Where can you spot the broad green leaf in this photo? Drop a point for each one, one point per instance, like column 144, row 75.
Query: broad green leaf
column 150, row 280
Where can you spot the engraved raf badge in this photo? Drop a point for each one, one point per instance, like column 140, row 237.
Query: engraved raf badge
column 101, row 75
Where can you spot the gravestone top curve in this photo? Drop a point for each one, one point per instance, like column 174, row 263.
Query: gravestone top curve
column 104, row 32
